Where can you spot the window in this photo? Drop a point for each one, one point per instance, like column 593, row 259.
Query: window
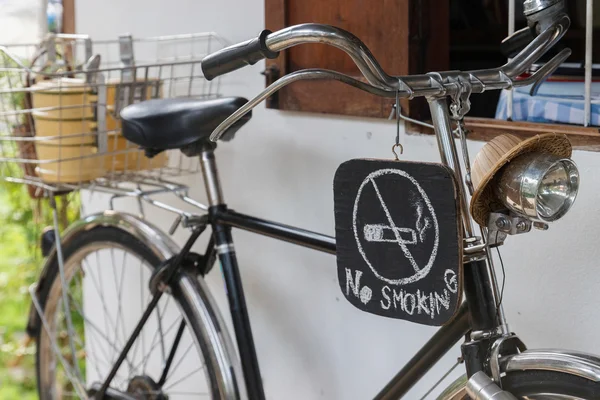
column 410, row 37
column 406, row 37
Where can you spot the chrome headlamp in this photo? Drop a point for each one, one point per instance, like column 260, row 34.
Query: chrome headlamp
column 539, row 186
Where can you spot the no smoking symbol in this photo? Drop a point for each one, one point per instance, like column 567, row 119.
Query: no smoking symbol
column 415, row 234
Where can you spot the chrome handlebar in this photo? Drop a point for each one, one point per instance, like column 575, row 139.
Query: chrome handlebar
column 427, row 85
column 336, row 37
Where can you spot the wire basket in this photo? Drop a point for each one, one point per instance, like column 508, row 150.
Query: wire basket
column 60, row 103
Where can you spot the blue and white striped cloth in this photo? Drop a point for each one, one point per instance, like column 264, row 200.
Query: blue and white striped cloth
column 552, row 109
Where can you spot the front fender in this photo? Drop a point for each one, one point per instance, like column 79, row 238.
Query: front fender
column 161, row 244
column 569, row 362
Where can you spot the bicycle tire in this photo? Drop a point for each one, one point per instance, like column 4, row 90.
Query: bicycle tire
column 538, row 385
column 184, row 290
column 542, row 384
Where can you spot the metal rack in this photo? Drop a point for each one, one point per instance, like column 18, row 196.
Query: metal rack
column 60, row 128
column 60, row 102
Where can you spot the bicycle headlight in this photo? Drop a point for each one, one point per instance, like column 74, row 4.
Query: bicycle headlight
column 539, row 186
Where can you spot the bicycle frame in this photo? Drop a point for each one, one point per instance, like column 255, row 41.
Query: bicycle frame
column 477, row 313
column 478, row 292
column 445, row 338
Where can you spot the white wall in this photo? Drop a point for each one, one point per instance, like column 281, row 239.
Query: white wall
column 312, row 344
column 23, row 21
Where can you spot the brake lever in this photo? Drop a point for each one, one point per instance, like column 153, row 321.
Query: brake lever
column 540, row 76
column 304, row 74
column 537, row 48
column 548, row 69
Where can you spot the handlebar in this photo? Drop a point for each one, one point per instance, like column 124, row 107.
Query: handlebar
column 451, row 83
column 515, row 43
column 237, row 56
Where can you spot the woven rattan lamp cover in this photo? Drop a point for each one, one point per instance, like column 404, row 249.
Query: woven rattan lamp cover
column 495, row 155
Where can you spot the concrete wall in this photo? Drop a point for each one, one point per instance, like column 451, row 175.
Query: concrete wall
column 23, row 21
column 311, row 343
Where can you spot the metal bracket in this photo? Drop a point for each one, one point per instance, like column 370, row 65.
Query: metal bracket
column 461, row 101
column 126, row 52
column 484, row 335
column 437, row 81
column 195, row 221
column 91, row 68
column 498, row 350
column 124, row 93
column 51, row 49
column 191, row 262
column 501, row 225
column 474, row 249
column 157, row 281
column 101, row 101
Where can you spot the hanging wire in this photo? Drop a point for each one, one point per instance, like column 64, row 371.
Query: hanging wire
column 397, row 118
column 397, row 144
column 461, row 131
column 503, row 278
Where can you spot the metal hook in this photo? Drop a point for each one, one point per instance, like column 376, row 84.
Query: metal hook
column 397, row 109
column 394, row 147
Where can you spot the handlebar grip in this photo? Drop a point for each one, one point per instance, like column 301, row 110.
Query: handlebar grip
column 512, row 45
column 237, row 56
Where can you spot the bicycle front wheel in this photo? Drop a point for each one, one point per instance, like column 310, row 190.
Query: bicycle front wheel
column 535, row 385
column 178, row 354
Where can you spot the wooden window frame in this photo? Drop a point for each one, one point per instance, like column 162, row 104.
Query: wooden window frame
column 411, row 55
column 336, row 98
column 68, row 16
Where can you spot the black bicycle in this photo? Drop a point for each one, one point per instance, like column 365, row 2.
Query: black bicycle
column 180, row 347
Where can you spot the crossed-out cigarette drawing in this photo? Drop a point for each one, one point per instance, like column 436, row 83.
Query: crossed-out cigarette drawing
column 381, row 233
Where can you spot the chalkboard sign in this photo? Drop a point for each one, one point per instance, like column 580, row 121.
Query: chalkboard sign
column 398, row 239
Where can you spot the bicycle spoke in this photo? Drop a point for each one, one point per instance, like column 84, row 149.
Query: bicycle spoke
column 91, row 341
column 142, row 312
column 440, row 380
column 156, row 334
column 137, row 342
column 162, row 336
column 102, row 293
column 181, row 360
column 172, row 352
column 97, row 361
column 161, row 352
column 119, row 286
column 107, row 318
column 103, row 336
column 185, row 377
column 154, row 342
